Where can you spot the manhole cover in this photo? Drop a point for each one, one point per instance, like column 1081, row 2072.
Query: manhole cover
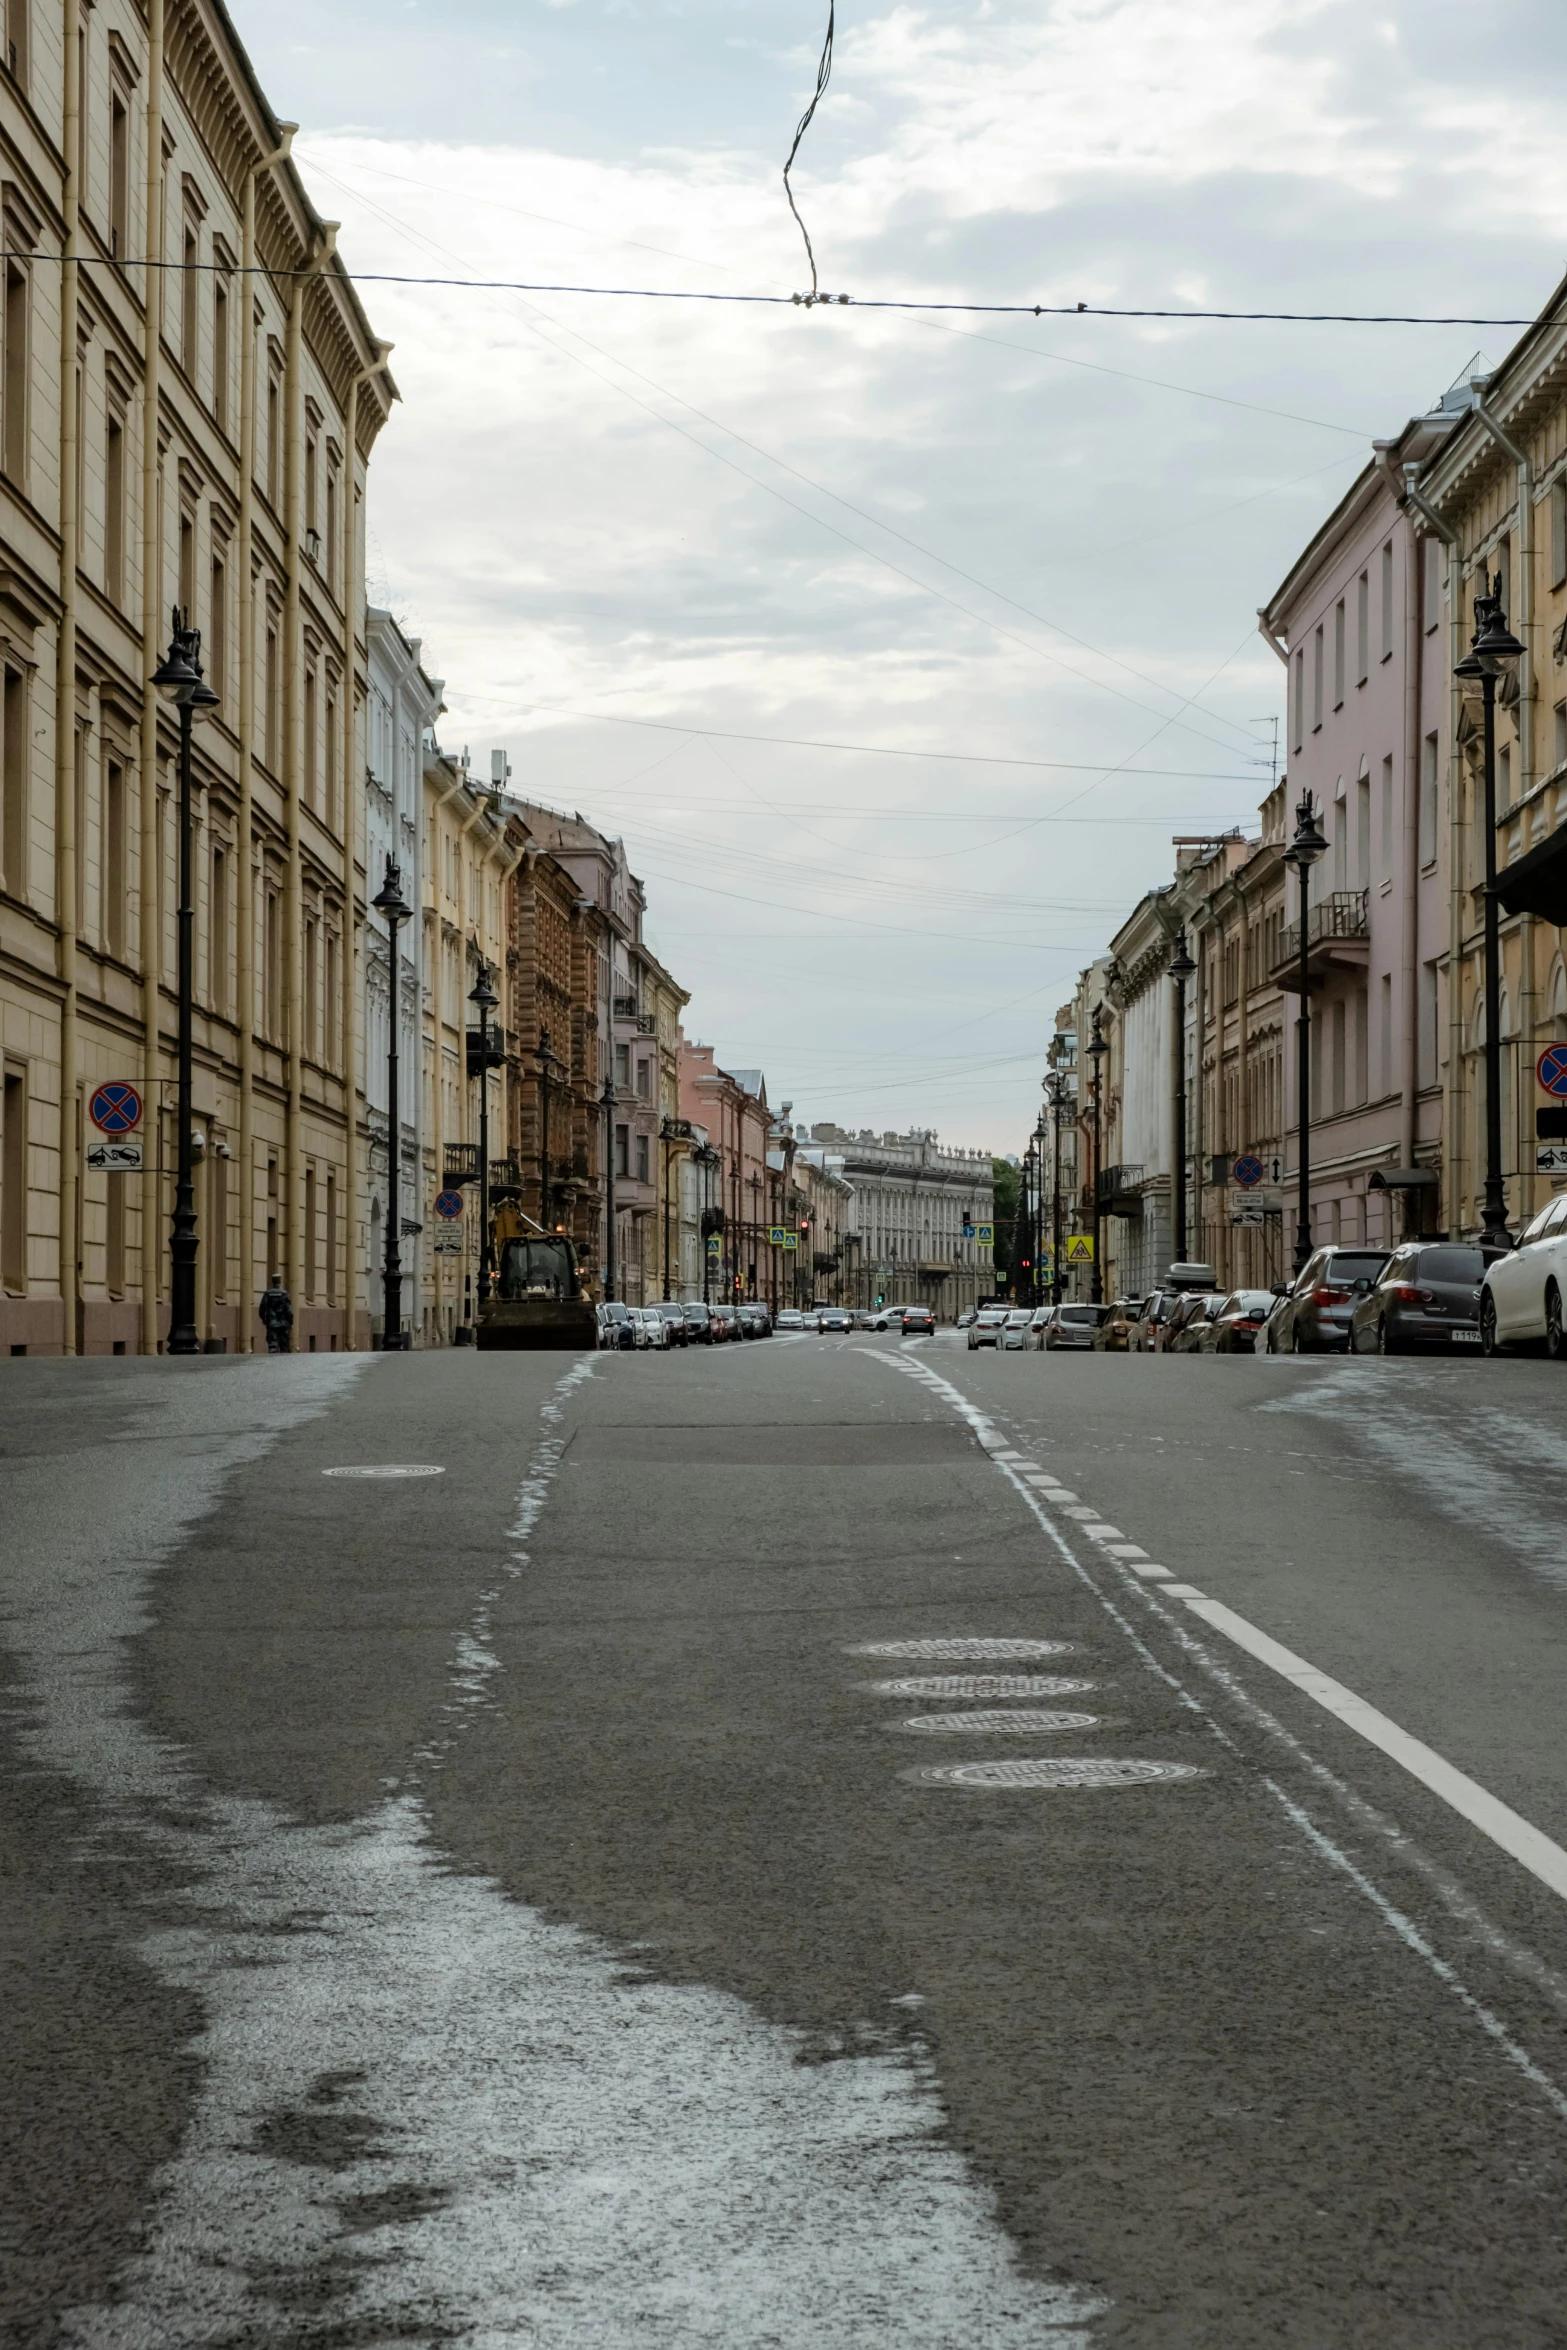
column 1087, row 1770
column 388, row 1469
column 1025, row 1720
column 979, row 1685
column 980, row 1648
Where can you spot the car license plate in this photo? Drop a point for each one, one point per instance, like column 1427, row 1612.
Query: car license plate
column 1466, row 1337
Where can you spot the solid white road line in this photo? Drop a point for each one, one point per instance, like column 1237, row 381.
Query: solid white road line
column 1505, row 1827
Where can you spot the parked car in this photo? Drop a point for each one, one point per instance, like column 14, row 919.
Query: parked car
column 789, row 1318
column 1233, row 1329
column 1183, row 1333
column 1427, row 1294
column 755, row 1320
column 1038, row 1323
column 1521, row 1296
column 835, row 1321
column 1151, row 1321
column 1072, row 1328
column 965, row 1318
column 616, row 1328
column 699, row 1325
column 652, row 1329
column 986, row 1327
column 723, row 1323
column 675, row 1323
column 1114, row 1334
column 918, row 1322
column 1015, row 1332
column 1313, row 1316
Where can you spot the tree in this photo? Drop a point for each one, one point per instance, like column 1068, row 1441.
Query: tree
column 1007, row 1178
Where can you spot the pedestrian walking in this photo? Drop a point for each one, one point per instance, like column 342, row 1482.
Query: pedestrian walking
column 277, row 1316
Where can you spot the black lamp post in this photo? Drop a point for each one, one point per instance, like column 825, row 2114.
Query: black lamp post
column 1028, row 1216
column 1182, row 968
column 1309, row 844
column 179, row 674
column 1493, row 650
column 1055, row 1095
column 388, row 900
column 609, row 1188
column 483, row 995
column 707, row 1158
column 1097, row 1049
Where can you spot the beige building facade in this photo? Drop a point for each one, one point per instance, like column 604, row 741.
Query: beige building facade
column 195, row 434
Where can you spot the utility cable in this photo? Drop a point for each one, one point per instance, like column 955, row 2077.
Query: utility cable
column 823, row 76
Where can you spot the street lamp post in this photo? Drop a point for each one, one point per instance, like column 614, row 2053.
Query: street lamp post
column 179, row 674
column 608, row 1098
column 1181, row 969
column 388, row 900
column 484, row 996
column 1307, row 846
column 1097, row 1049
column 1492, row 650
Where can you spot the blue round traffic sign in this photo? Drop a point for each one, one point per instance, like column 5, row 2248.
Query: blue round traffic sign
column 115, row 1109
column 1247, row 1172
column 448, row 1203
column 1551, row 1069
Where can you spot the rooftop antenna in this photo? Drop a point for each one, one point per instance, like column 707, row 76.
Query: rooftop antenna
column 1273, row 756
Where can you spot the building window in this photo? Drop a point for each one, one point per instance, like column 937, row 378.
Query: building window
column 331, row 1239
column 274, row 437
column 331, row 764
column 1363, row 628
column 218, row 933
column 13, row 422
column 1387, row 601
column 622, row 1150
column 1338, row 654
column 18, row 43
column 119, row 176
column 1300, row 697
column 1316, row 680
column 1561, row 734
column 217, row 629
column 310, row 1236
column 270, row 690
column 1504, row 779
column 622, row 1064
column 1428, row 784
column 310, row 483
column 1558, row 533
column 1363, row 833
column 13, row 1183
column 310, row 738
column 116, row 879
column 1431, row 590
column 114, row 511
column 644, row 1087
column 271, row 972
column 642, row 1158
column 187, row 569
column 190, row 300
column 331, row 526
column 220, row 354
column 14, row 771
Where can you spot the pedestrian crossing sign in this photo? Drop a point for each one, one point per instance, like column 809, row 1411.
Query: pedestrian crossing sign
column 1080, row 1249
column 985, row 1235
column 715, row 1247
column 778, row 1235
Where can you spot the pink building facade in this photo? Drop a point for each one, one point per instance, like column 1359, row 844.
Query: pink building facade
column 730, row 1105
column 1360, row 622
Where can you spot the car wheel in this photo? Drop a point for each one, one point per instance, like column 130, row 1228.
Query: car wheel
column 1385, row 1345
column 1295, row 1346
column 1490, row 1344
column 1555, row 1335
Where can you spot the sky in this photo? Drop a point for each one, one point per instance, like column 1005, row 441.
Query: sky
column 667, row 553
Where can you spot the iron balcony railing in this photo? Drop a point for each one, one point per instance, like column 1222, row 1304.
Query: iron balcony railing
column 1116, row 1182
column 1340, row 915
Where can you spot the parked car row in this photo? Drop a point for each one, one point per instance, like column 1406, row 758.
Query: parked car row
column 669, row 1324
column 912, row 1321
column 1050, row 1329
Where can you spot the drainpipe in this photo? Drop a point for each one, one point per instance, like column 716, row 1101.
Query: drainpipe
column 354, row 851
column 67, row 913
column 293, row 756
column 1455, row 1105
column 152, row 618
column 244, row 877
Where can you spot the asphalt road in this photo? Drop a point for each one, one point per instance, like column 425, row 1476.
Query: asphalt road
column 531, row 1901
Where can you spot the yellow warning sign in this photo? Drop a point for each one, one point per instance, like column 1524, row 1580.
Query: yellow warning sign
column 1080, row 1249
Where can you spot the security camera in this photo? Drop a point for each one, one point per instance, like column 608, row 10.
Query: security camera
column 221, row 1150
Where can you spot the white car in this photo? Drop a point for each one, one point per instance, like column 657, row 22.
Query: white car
column 1521, row 1298
column 1039, row 1323
column 986, row 1327
column 1016, row 1330
column 789, row 1318
column 650, row 1326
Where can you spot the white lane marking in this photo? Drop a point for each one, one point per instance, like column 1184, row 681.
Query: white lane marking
column 1146, row 1567
column 1452, row 1895
column 388, row 1469
column 1527, row 1844
column 1125, row 1550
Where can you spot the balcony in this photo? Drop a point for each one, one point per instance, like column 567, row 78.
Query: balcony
column 1338, row 938
column 624, row 1007
column 462, row 1163
column 1120, row 1191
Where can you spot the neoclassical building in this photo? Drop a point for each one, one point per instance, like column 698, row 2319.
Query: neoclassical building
column 188, row 402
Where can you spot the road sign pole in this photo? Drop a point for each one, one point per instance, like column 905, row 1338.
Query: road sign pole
column 183, row 1339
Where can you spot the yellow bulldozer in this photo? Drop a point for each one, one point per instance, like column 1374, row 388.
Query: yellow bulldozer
column 537, row 1300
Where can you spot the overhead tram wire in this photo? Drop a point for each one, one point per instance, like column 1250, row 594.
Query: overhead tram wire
column 512, row 285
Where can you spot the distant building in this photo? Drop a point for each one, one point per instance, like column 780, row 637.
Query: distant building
column 905, row 1239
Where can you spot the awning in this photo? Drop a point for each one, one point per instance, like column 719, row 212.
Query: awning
column 1405, row 1179
column 1537, row 883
